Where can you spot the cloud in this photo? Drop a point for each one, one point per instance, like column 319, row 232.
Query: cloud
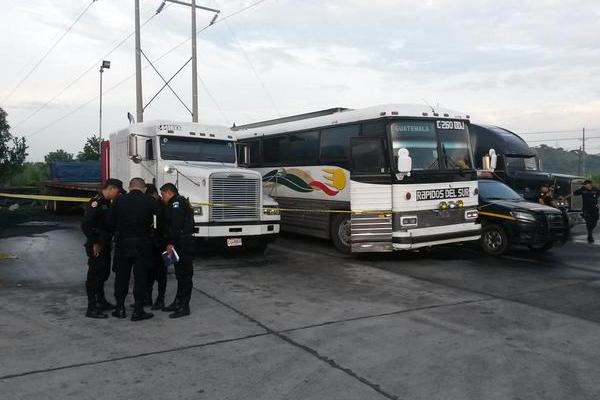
column 527, row 64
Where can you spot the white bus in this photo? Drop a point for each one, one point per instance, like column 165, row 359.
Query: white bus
column 392, row 177
column 229, row 202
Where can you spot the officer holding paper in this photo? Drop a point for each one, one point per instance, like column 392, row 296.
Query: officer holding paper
column 178, row 227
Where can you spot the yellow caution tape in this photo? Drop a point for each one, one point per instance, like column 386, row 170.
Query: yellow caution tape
column 6, row 256
column 45, row 198
column 496, row 215
column 379, row 213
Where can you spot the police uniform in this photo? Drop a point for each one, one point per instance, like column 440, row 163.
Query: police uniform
column 132, row 217
column 158, row 271
column 589, row 198
column 178, row 227
column 96, row 230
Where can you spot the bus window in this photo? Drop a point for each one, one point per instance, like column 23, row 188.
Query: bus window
column 419, row 138
column 335, row 143
column 368, row 155
column 275, row 150
column 374, row 128
column 304, row 148
column 254, row 153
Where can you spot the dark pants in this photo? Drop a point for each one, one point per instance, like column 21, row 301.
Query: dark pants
column 158, row 273
column 591, row 220
column 133, row 254
column 98, row 273
column 184, row 270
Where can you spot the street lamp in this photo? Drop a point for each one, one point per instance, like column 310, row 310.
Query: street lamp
column 105, row 65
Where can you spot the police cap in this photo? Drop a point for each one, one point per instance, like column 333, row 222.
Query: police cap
column 114, row 182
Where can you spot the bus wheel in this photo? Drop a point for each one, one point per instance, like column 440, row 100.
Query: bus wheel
column 340, row 233
column 494, row 240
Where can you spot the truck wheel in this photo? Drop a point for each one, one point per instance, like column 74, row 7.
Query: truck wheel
column 541, row 248
column 494, row 240
column 341, row 232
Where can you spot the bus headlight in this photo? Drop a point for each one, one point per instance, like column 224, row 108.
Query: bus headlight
column 270, row 211
column 443, row 205
column 410, row 220
column 197, row 211
column 460, row 204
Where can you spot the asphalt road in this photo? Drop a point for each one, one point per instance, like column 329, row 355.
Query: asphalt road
column 304, row 322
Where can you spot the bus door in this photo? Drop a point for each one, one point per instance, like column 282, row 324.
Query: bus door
column 370, row 196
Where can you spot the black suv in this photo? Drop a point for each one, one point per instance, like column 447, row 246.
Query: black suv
column 506, row 219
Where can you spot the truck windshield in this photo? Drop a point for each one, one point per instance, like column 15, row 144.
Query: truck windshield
column 446, row 147
column 494, row 190
column 516, row 163
column 193, row 149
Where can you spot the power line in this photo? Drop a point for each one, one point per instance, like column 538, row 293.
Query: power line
column 553, row 132
column 254, row 70
column 562, row 139
column 133, row 75
column 84, row 73
column 47, row 53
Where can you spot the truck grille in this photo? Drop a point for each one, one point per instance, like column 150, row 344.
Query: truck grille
column 235, row 197
column 555, row 222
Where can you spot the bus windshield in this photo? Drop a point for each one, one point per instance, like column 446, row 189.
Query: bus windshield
column 446, row 147
column 193, row 149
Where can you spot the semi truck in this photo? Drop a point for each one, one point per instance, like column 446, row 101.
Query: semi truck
column 519, row 167
column 71, row 179
column 229, row 204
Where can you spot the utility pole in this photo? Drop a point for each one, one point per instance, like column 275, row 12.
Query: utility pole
column 583, row 155
column 138, row 66
column 194, row 66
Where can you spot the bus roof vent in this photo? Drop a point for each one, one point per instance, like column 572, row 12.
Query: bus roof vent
column 290, row 118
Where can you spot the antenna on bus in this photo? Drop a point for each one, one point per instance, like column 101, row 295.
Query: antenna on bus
column 429, row 105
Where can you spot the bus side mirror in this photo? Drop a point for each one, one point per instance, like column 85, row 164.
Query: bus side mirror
column 404, row 163
column 490, row 161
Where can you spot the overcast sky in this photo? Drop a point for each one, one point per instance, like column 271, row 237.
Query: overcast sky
column 527, row 65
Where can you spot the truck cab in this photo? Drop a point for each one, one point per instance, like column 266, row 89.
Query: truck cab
column 519, row 167
column 508, row 219
column 229, row 205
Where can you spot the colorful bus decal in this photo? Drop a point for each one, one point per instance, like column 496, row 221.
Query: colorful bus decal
column 301, row 181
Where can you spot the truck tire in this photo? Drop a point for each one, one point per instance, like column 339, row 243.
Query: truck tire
column 340, row 232
column 541, row 248
column 494, row 240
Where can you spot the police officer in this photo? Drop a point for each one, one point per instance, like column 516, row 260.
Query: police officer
column 132, row 216
column 158, row 271
column 178, row 227
column 589, row 196
column 98, row 247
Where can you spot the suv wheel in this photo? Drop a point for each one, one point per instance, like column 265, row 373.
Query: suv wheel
column 494, row 240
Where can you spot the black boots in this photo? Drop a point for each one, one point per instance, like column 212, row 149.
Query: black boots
column 119, row 312
column 93, row 312
column 103, row 304
column 159, row 304
column 183, row 311
column 140, row 315
column 174, row 306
